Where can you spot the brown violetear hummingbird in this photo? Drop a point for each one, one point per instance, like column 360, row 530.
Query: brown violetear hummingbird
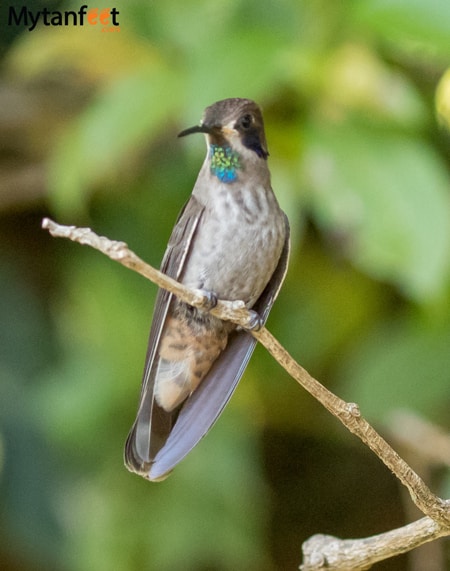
column 231, row 240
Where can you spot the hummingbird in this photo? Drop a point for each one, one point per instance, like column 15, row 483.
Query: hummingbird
column 231, row 240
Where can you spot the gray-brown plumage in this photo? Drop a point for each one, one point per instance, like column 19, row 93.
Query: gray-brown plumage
column 231, row 240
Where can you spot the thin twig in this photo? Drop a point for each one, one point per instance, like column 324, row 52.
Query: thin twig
column 119, row 252
column 437, row 509
column 350, row 416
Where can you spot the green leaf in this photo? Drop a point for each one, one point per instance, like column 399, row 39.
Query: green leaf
column 358, row 81
column 404, row 363
column 229, row 74
column 128, row 112
column 386, row 194
column 411, row 23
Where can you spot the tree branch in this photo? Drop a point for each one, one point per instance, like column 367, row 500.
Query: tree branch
column 328, row 553
column 334, row 554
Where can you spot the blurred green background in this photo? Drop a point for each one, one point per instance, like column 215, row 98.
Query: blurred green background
column 356, row 98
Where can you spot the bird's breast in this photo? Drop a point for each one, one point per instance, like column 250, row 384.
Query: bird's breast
column 237, row 245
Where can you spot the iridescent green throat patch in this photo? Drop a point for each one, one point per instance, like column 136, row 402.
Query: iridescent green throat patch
column 224, row 163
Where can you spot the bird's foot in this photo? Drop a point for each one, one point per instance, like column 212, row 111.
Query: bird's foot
column 255, row 321
column 209, row 300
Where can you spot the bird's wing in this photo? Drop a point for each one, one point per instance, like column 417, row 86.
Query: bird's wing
column 153, row 424
column 203, row 407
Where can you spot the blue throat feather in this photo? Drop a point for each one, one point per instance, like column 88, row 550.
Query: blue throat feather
column 224, row 162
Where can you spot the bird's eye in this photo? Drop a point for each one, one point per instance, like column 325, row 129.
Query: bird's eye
column 246, row 121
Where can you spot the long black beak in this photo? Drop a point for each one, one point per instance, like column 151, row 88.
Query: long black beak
column 195, row 129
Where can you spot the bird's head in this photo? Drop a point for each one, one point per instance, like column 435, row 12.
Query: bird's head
column 235, row 123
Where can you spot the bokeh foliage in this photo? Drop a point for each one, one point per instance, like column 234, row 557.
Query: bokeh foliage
column 356, row 97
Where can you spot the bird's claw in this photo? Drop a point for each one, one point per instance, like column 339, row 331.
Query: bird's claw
column 209, row 300
column 255, row 321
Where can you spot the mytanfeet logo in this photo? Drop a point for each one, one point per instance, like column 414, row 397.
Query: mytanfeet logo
column 105, row 19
